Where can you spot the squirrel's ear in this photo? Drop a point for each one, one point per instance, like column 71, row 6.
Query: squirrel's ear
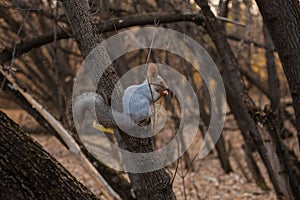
column 152, row 71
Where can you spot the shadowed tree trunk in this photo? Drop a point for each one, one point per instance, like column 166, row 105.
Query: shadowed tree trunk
column 220, row 145
column 242, row 105
column 273, row 82
column 28, row 172
column 282, row 18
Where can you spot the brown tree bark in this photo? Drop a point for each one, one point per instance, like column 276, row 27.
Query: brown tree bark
column 220, row 145
column 23, row 103
column 28, row 172
column 282, row 18
column 151, row 185
column 273, row 83
column 240, row 104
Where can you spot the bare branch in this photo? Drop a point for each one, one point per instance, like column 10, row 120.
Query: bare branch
column 111, row 25
column 25, row 47
column 256, row 44
column 224, row 19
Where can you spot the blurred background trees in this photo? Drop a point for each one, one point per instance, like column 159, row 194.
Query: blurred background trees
column 38, row 50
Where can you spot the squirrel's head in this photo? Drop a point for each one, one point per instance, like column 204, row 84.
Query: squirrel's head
column 156, row 82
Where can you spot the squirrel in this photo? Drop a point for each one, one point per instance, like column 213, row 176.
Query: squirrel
column 137, row 101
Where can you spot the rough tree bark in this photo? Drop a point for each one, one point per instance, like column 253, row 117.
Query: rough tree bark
column 152, row 185
column 282, row 18
column 273, row 83
column 28, row 172
column 240, row 104
column 248, row 147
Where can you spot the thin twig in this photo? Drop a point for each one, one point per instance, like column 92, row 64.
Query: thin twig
column 224, row 19
column 56, row 67
column 146, row 67
column 16, row 39
column 182, row 176
column 15, row 46
column 176, row 169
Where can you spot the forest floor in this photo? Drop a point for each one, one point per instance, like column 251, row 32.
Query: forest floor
column 206, row 179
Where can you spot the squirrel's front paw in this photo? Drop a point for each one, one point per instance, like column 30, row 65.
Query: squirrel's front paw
column 144, row 122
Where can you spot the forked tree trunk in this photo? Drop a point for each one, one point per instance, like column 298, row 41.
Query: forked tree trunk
column 28, row 172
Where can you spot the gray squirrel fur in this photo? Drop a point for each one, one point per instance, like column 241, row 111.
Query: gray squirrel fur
column 137, row 101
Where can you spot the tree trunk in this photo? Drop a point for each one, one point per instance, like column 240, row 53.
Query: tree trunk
column 151, row 185
column 273, row 83
column 241, row 104
column 220, row 145
column 282, row 18
column 28, row 172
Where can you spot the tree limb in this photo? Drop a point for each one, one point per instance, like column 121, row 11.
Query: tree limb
column 69, row 141
column 111, row 25
column 256, row 44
